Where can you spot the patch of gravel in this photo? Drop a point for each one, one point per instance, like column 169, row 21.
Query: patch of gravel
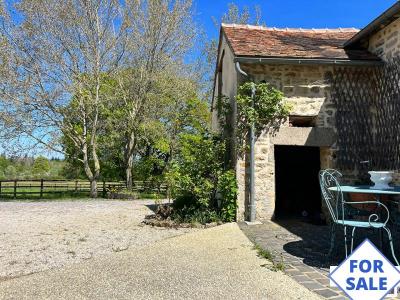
column 215, row 263
column 36, row 236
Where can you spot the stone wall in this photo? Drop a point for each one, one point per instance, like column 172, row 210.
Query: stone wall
column 386, row 42
column 308, row 89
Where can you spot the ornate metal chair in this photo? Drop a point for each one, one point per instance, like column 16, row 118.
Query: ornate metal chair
column 339, row 208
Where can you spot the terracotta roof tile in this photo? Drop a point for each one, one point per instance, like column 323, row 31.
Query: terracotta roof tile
column 248, row 40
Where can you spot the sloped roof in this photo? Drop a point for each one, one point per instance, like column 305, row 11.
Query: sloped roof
column 258, row 41
column 387, row 17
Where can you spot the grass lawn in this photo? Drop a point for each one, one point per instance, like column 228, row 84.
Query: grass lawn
column 61, row 190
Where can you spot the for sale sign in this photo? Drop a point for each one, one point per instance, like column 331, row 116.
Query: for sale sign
column 366, row 274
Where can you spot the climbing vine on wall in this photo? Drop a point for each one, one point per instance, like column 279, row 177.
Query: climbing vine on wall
column 268, row 111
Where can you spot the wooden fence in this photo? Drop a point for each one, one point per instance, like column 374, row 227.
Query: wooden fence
column 43, row 187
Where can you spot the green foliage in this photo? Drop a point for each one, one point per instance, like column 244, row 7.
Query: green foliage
column 268, row 111
column 185, row 200
column 276, row 265
column 172, row 109
column 197, row 181
column 268, row 108
column 200, row 163
column 279, row 266
column 30, row 168
column 261, row 252
column 109, row 143
column 228, row 189
column 3, row 163
column 193, row 215
column 202, row 189
column 41, row 166
column 10, row 172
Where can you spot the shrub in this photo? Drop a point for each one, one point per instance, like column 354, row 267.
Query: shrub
column 202, row 190
column 195, row 215
column 227, row 189
column 196, row 170
column 183, row 201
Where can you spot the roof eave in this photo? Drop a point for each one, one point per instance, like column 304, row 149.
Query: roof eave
column 216, row 68
column 306, row 61
column 384, row 19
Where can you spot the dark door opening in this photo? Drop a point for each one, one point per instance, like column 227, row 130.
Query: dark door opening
column 296, row 182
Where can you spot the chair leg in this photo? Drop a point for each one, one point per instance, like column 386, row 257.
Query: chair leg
column 333, row 238
column 391, row 245
column 352, row 239
column 345, row 239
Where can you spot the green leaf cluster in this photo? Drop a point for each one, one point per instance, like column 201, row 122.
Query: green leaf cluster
column 26, row 167
column 198, row 166
column 203, row 190
column 267, row 110
column 41, row 166
column 228, row 190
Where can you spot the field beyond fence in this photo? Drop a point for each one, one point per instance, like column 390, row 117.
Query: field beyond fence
column 44, row 188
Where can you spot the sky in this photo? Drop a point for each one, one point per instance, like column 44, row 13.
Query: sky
column 294, row 13
column 298, row 13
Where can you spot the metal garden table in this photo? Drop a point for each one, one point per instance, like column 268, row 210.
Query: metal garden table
column 365, row 189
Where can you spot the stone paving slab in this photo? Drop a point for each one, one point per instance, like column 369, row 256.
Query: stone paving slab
column 303, row 248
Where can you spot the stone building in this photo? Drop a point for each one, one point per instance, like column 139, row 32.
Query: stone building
column 302, row 63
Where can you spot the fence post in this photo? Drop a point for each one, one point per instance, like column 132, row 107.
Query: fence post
column 104, row 188
column 41, row 188
column 76, row 186
column 15, row 189
column 0, row 188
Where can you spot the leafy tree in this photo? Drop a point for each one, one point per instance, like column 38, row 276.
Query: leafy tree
column 235, row 15
column 3, row 162
column 175, row 109
column 56, row 50
column 163, row 139
column 162, row 33
column 11, row 172
column 41, row 166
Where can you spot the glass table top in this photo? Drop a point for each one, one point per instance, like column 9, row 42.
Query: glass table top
column 365, row 189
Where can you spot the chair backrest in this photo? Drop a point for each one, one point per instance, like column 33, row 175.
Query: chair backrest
column 333, row 197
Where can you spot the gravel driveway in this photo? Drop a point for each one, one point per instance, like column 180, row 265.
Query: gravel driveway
column 215, row 263
column 36, row 236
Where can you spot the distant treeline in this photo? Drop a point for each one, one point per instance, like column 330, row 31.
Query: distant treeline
column 27, row 167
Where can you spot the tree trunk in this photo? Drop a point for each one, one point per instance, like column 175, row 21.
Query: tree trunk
column 92, row 177
column 93, row 188
column 129, row 150
column 129, row 182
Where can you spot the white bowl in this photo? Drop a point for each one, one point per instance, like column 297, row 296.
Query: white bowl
column 381, row 179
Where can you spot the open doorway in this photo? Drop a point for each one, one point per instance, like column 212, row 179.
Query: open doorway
column 296, row 182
